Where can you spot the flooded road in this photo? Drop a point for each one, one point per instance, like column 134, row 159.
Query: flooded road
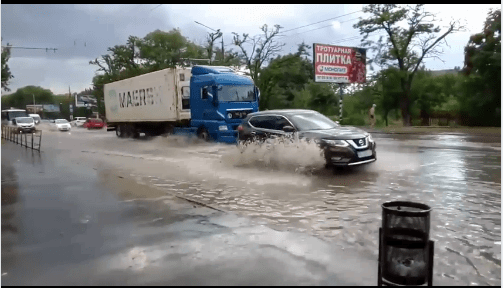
column 287, row 188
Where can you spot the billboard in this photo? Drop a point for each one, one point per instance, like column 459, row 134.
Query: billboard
column 339, row 64
column 42, row 108
column 85, row 101
column 51, row 108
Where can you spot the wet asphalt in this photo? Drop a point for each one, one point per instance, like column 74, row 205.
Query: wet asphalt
column 95, row 210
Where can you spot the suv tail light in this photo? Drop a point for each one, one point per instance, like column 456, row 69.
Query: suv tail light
column 240, row 128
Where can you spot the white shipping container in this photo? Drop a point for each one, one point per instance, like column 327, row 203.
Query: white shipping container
column 152, row 97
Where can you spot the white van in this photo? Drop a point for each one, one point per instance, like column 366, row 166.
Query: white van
column 35, row 117
column 24, row 124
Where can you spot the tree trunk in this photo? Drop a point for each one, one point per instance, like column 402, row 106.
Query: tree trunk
column 405, row 100
column 425, row 118
column 404, row 105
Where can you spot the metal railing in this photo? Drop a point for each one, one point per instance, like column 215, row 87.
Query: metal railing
column 24, row 139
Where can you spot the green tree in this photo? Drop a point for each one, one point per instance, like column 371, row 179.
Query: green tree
column 426, row 92
column 6, row 74
column 388, row 92
column 410, row 37
column 24, row 96
column 281, row 81
column 481, row 100
column 161, row 49
column 263, row 47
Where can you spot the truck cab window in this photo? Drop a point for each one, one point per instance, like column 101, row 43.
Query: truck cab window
column 185, row 97
column 205, row 91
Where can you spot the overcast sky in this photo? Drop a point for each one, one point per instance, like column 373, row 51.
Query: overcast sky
column 84, row 32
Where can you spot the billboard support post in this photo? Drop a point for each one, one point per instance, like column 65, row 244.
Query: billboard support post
column 340, row 101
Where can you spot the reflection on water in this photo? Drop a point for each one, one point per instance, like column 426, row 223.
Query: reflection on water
column 9, row 199
column 463, row 187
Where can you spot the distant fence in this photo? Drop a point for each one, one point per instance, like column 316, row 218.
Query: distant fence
column 28, row 140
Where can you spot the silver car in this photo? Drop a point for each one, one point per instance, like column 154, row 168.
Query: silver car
column 62, row 125
column 78, row 121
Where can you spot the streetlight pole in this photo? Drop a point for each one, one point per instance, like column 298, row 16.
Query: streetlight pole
column 223, row 57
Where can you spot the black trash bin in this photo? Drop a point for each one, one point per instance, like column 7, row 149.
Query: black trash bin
column 405, row 252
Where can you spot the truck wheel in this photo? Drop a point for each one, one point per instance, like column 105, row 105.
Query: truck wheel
column 119, row 131
column 134, row 132
column 203, row 134
column 128, row 130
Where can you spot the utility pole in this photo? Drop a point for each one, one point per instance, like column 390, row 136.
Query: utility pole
column 223, row 52
column 34, row 107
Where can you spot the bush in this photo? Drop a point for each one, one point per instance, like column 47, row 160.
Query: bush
column 354, row 120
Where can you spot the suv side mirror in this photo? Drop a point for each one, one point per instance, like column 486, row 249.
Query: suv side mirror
column 288, row 129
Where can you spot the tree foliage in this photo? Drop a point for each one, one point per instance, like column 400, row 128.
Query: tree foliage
column 6, row 74
column 481, row 98
column 24, row 96
column 411, row 36
column 287, row 82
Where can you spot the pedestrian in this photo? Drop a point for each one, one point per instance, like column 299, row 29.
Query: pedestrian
column 372, row 116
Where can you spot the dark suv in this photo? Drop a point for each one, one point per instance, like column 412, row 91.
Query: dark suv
column 342, row 145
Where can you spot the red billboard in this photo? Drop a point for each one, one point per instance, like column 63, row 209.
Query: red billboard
column 339, row 64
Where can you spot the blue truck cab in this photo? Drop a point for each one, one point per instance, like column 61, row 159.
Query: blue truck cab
column 219, row 100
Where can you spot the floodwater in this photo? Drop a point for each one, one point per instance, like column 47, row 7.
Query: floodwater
column 286, row 187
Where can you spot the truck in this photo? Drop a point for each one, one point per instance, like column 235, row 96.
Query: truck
column 207, row 101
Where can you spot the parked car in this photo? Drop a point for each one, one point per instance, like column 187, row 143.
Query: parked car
column 342, row 145
column 78, row 121
column 95, row 123
column 24, row 124
column 61, row 125
column 36, row 118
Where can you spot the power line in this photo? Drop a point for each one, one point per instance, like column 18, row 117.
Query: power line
column 316, row 28
column 19, row 47
column 157, row 6
column 322, row 21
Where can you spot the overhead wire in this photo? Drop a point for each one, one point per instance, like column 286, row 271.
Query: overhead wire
column 331, row 25
column 322, row 21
